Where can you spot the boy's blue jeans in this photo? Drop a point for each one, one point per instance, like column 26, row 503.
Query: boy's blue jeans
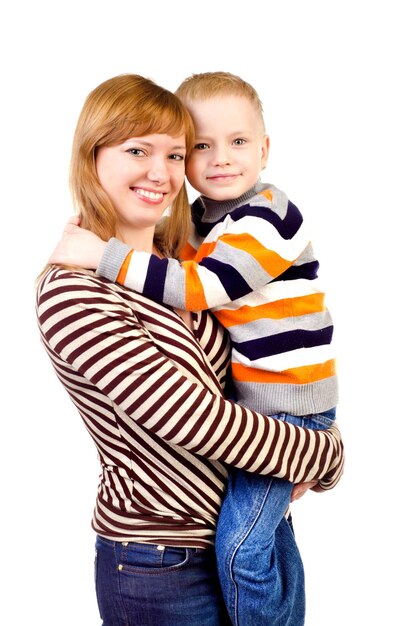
column 259, row 564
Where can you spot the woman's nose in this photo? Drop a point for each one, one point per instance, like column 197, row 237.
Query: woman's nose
column 158, row 171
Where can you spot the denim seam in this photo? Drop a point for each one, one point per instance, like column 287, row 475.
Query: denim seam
column 236, row 550
column 125, row 616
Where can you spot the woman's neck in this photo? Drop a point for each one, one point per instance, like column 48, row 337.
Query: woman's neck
column 139, row 239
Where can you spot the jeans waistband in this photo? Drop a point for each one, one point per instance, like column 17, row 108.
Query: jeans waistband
column 156, row 546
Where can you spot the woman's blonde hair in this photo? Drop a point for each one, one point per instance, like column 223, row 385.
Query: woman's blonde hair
column 126, row 106
column 213, row 84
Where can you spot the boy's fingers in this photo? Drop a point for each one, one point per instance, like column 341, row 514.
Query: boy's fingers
column 72, row 221
column 300, row 489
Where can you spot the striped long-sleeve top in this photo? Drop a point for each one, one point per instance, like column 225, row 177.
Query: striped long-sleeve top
column 149, row 390
column 251, row 262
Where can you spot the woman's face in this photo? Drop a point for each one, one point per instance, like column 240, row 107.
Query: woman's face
column 142, row 176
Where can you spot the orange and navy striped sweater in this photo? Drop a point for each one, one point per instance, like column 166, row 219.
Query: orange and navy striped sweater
column 250, row 261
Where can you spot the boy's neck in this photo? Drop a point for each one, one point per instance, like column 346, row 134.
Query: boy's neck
column 221, row 207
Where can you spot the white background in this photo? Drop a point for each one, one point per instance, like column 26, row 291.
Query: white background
column 336, row 80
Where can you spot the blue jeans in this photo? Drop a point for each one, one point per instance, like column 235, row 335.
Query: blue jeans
column 259, row 564
column 145, row 585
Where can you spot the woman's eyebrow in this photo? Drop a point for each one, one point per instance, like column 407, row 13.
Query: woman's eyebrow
column 149, row 144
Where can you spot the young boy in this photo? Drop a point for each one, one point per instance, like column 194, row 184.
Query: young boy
column 250, row 260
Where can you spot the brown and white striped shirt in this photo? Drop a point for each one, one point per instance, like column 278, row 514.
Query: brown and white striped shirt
column 150, row 393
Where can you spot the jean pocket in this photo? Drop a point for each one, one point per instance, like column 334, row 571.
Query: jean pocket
column 138, row 557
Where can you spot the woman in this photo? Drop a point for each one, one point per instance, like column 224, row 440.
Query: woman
column 148, row 380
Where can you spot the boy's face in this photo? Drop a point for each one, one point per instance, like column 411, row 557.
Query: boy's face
column 230, row 150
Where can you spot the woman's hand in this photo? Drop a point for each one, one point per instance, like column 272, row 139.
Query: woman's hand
column 78, row 247
column 300, row 489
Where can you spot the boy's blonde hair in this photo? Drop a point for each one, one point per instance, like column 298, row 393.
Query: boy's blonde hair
column 212, row 84
column 126, row 106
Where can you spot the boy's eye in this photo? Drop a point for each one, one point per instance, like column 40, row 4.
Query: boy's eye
column 201, row 146
column 239, row 141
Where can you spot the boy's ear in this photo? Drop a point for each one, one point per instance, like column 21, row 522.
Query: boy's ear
column 264, row 151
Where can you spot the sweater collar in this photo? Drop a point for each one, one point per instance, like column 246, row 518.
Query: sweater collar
column 217, row 209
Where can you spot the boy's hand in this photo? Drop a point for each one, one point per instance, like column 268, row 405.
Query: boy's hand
column 78, row 247
column 300, row 489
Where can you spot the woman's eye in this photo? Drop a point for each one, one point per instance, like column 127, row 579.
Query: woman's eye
column 135, row 151
column 177, row 157
column 201, row 146
column 239, row 141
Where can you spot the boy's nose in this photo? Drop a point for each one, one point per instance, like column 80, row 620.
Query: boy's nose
column 221, row 156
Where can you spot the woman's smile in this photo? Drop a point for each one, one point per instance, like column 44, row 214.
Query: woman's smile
column 153, row 197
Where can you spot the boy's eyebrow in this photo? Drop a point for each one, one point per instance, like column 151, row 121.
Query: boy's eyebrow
column 241, row 132
column 247, row 131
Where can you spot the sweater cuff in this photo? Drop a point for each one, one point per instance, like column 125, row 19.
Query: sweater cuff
column 112, row 259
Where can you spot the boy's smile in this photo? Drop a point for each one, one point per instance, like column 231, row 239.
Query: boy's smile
column 225, row 178
column 230, row 150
